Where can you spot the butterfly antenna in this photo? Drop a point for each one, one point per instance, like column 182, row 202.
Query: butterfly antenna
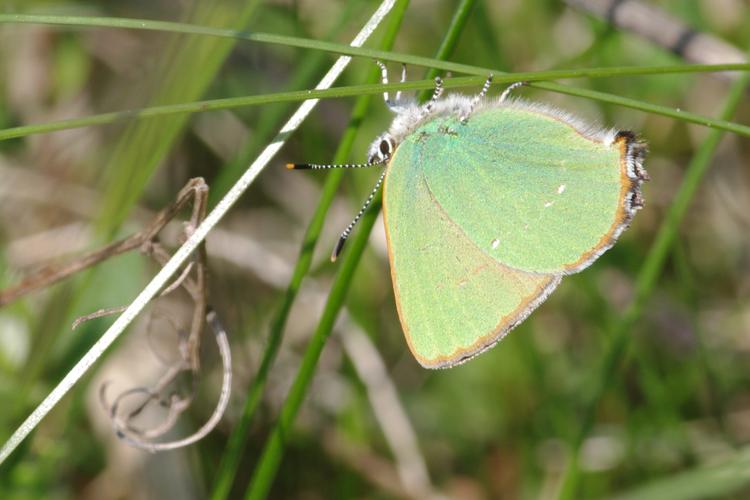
column 348, row 230
column 316, row 166
column 510, row 89
column 476, row 99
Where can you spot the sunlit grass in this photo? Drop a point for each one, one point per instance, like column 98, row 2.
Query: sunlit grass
column 599, row 365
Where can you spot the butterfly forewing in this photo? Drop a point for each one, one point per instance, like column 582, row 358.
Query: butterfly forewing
column 527, row 188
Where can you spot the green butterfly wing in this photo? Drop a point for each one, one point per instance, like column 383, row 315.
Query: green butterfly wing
column 454, row 301
column 527, row 188
column 479, row 229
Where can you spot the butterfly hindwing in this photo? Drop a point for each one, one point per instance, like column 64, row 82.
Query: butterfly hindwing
column 454, row 301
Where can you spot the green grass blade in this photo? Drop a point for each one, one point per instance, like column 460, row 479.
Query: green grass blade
column 175, row 27
column 376, row 54
column 645, row 283
column 134, row 157
column 357, row 90
column 304, row 76
column 271, row 457
column 190, row 65
column 723, row 480
column 460, row 16
column 236, row 445
column 669, row 420
column 196, row 237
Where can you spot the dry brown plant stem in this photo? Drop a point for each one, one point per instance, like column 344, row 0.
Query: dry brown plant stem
column 192, row 280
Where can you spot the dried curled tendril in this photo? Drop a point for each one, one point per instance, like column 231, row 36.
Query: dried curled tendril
column 192, row 280
column 123, row 424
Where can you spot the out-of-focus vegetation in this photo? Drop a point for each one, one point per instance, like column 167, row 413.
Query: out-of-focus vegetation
column 672, row 419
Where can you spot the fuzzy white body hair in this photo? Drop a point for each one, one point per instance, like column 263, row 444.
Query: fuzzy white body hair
column 411, row 115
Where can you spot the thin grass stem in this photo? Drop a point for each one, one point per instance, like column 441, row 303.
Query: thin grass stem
column 187, row 249
column 270, row 459
column 617, row 349
column 236, row 444
column 357, row 90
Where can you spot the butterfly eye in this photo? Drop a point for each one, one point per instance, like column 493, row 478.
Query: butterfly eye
column 385, row 148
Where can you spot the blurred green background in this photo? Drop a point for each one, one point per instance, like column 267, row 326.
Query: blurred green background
column 673, row 418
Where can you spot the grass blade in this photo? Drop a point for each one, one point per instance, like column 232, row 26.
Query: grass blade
column 189, row 66
column 357, row 90
column 182, row 254
column 303, row 77
column 645, row 282
column 271, row 457
column 305, row 43
column 236, row 445
column 721, row 480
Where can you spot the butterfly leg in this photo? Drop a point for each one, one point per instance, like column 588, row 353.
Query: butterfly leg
column 427, row 107
column 510, row 89
column 403, row 79
column 348, row 230
column 392, row 105
column 465, row 116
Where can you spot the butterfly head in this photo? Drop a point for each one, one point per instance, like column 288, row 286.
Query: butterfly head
column 381, row 149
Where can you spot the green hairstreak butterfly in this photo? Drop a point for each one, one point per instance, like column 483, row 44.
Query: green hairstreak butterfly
column 488, row 203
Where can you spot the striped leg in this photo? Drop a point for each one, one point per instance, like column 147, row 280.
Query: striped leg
column 476, row 99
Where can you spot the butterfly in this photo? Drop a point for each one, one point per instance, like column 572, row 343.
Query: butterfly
column 488, row 203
